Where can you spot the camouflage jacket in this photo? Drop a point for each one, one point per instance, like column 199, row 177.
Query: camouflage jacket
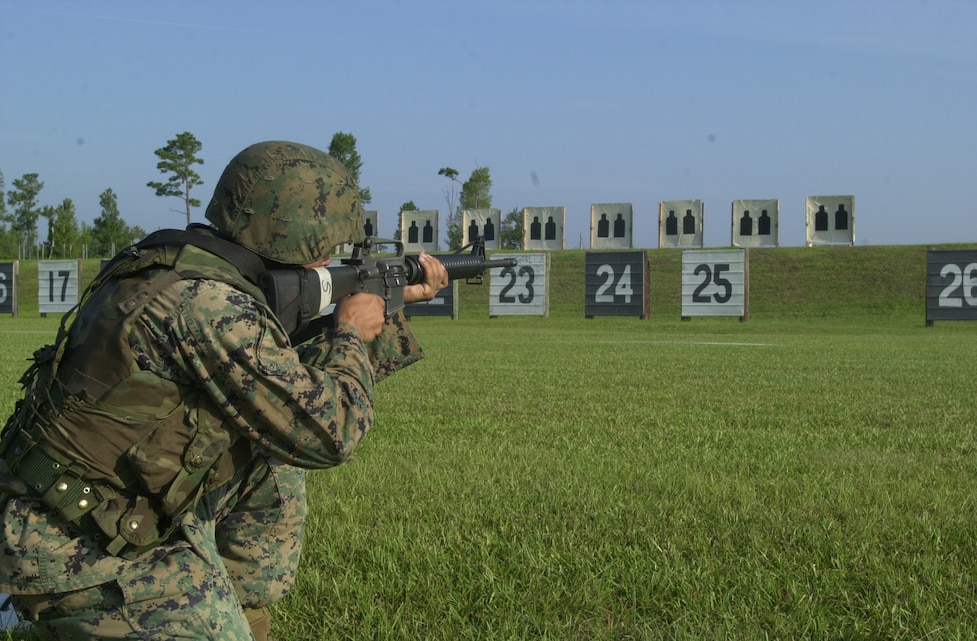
column 188, row 381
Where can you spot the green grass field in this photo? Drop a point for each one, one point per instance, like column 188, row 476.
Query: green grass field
column 808, row 474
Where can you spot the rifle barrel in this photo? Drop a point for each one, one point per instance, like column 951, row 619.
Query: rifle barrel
column 458, row 266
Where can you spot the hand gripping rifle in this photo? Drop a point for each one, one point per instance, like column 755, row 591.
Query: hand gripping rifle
column 298, row 295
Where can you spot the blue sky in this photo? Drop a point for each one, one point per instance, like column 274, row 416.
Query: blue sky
column 568, row 103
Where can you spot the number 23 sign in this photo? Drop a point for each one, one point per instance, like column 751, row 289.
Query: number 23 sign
column 521, row 290
column 715, row 283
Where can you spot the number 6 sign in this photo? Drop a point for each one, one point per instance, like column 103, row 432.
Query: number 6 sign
column 8, row 288
column 715, row 283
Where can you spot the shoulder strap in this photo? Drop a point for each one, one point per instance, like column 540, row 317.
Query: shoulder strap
column 202, row 236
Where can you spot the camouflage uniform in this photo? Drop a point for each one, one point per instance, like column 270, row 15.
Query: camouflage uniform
column 188, row 425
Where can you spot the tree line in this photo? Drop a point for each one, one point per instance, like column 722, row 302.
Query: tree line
column 66, row 237
column 108, row 233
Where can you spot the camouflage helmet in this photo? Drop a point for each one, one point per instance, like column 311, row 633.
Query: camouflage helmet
column 287, row 202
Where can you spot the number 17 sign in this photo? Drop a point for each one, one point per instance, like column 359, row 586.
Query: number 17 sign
column 57, row 285
column 716, row 283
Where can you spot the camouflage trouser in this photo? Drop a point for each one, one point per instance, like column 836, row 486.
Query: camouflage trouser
column 244, row 544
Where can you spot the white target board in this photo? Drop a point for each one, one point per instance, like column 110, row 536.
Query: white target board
column 715, row 283
column 756, row 223
column 371, row 227
column 611, row 226
column 522, row 290
column 542, row 228
column 419, row 230
column 830, row 220
column 58, row 283
column 481, row 225
column 680, row 223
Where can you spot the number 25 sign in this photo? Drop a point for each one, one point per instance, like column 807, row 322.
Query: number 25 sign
column 715, row 283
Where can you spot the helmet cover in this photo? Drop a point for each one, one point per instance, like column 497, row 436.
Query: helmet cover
column 287, row 202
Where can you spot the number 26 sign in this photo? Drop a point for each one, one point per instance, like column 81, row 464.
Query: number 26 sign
column 951, row 285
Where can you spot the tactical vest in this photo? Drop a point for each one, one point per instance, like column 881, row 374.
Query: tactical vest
column 111, row 447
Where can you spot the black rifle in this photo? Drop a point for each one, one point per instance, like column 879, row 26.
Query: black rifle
column 299, row 295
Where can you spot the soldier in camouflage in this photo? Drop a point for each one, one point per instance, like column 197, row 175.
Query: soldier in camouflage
column 152, row 478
